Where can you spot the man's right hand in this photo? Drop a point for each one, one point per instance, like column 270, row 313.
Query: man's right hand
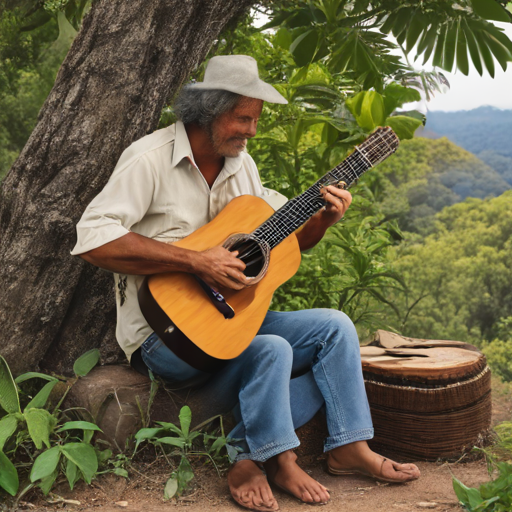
column 221, row 268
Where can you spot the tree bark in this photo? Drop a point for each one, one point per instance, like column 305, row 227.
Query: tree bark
column 127, row 60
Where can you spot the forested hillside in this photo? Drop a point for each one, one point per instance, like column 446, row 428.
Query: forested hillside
column 426, row 175
column 484, row 131
column 459, row 278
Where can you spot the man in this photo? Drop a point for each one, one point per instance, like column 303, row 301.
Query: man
column 165, row 187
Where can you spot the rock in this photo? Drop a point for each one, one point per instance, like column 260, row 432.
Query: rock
column 117, row 397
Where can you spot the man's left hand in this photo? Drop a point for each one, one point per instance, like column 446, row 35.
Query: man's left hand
column 338, row 200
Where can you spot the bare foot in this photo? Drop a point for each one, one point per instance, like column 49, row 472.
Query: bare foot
column 358, row 457
column 249, row 487
column 283, row 471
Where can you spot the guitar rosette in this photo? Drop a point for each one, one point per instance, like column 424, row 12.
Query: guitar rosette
column 253, row 252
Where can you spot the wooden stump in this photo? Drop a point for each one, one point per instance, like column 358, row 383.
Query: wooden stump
column 429, row 399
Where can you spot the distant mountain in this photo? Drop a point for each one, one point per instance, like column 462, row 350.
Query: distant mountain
column 481, row 129
column 486, row 132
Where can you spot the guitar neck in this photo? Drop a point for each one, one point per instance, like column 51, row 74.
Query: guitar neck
column 381, row 144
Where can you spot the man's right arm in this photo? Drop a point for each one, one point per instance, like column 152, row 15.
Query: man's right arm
column 138, row 255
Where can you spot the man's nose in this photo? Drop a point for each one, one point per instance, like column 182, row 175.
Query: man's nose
column 251, row 130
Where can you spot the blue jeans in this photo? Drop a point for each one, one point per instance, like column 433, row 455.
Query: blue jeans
column 321, row 345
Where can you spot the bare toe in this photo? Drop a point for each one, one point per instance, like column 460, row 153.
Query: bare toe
column 284, row 472
column 249, row 487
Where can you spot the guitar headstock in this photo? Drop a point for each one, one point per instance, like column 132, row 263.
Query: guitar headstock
column 379, row 145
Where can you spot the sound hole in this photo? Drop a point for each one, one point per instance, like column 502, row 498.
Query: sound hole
column 251, row 254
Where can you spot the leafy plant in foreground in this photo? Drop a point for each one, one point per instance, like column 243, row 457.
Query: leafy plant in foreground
column 494, row 496
column 181, row 442
column 41, row 443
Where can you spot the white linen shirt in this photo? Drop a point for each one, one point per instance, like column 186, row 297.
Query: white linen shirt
column 156, row 190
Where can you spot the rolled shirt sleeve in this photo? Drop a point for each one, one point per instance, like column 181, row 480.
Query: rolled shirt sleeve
column 123, row 202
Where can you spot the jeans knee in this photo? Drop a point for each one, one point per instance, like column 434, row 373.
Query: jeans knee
column 273, row 348
column 339, row 327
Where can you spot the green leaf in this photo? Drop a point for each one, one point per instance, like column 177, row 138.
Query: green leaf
column 439, row 51
column 8, row 425
column 499, row 51
column 103, row 455
column 72, row 473
column 174, row 441
column 283, row 38
column 147, row 433
column 329, row 134
column 8, row 475
column 9, row 399
column 449, row 47
column 46, row 483
column 469, row 497
column 232, row 452
column 84, row 456
column 40, row 424
column 485, row 53
column 121, row 472
column 403, row 126
column 171, row 487
column 414, row 30
column 462, row 51
column 490, row 10
column 473, row 48
column 184, row 474
column 303, row 48
column 39, row 401
column 45, row 464
column 185, row 419
column 79, row 425
column 33, row 375
column 86, row 362
column 396, row 95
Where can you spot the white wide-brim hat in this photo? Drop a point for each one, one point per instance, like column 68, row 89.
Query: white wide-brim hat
column 238, row 74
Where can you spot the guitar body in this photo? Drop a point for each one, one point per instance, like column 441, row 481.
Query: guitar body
column 193, row 317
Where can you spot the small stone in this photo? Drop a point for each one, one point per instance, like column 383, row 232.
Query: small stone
column 122, row 503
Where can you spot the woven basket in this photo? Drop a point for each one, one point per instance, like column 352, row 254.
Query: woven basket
column 429, row 399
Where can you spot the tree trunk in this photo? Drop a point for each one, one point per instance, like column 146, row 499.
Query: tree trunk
column 127, row 60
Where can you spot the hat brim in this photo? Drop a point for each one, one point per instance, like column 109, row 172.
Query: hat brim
column 257, row 89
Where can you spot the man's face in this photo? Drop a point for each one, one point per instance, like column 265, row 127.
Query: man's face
column 230, row 131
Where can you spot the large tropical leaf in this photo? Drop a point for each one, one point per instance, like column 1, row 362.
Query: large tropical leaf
column 453, row 36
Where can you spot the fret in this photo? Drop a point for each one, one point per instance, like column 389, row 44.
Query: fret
column 381, row 144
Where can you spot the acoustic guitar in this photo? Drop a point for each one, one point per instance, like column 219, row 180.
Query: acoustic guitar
column 207, row 327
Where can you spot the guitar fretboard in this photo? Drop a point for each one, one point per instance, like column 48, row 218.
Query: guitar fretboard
column 381, row 144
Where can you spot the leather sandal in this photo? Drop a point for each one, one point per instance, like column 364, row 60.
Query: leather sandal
column 352, row 471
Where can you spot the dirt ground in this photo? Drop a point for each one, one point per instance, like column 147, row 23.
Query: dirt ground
column 143, row 491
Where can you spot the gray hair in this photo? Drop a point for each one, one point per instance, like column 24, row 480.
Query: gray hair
column 203, row 106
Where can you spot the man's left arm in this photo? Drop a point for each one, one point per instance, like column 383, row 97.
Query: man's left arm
column 338, row 201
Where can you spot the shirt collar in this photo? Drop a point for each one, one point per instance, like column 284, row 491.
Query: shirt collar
column 183, row 150
column 182, row 147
